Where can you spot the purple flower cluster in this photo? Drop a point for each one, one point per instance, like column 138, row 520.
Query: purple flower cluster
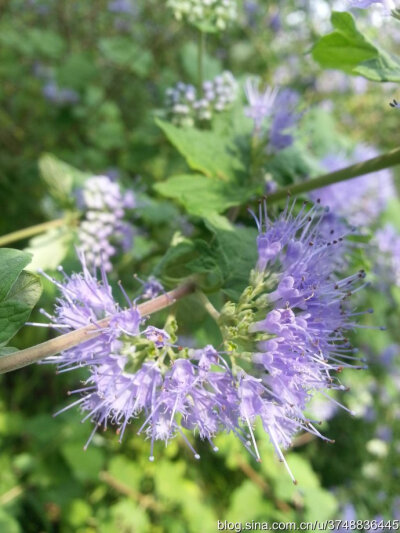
column 273, row 108
column 121, row 7
column 360, row 200
column 186, row 108
column 301, row 315
column 389, row 5
column 59, row 95
column 285, row 339
column 103, row 227
column 194, row 393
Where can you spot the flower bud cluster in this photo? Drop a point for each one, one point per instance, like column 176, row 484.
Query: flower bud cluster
column 186, row 108
column 212, row 15
column 103, row 227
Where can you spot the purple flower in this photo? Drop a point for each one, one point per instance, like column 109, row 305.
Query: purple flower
column 127, row 375
column 117, row 397
column 276, row 106
column 360, row 200
column 389, row 355
column 186, row 107
column 59, row 96
column 86, row 301
column 288, row 343
column 151, row 288
column 195, row 398
column 261, row 104
column 103, row 227
column 275, row 21
column 284, row 118
column 389, row 5
column 121, row 6
column 158, row 336
column 301, row 339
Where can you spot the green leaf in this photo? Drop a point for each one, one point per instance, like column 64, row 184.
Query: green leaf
column 49, row 249
column 13, row 316
column 205, row 151
column 173, row 264
column 60, row 178
column 238, row 253
column 123, row 52
column 320, row 504
column 26, row 290
column 391, row 215
column 7, row 350
column 19, row 292
column 347, row 49
column 211, row 66
column 199, row 195
column 85, row 465
column 125, row 471
column 292, row 163
column 126, row 516
column 76, row 71
column 12, row 262
column 8, row 523
column 79, row 512
column 249, row 503
column 380, row 68
column 36, row 42
column 185, row 257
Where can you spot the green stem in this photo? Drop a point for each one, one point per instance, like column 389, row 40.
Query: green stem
column 31, row 355
column 32, row 230
column 208, row 306
column 200, row 60
column 390, row 159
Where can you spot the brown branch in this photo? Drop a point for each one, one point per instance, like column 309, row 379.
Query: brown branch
column 28, row 356
column 144, row 500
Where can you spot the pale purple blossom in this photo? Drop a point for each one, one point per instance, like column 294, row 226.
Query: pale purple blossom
column 389, row 5
column 121, row 6
column 104, row 229
column 302, row 340
column 284, row 119
column 296, row 338
column 186, row 106
column 261, row 103
column 273, row 111
column 359, row 200
column 59, row 95
column 385, row 252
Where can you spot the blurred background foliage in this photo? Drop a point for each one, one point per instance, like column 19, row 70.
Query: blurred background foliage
column 85, row 81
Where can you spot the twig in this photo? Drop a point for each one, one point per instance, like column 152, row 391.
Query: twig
column 302, row 439
column 255, row 477
column 144, row 500
column 32, row 230
column 28, row 356
column 11, row 494
column 208, row 306
column 390, row 159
